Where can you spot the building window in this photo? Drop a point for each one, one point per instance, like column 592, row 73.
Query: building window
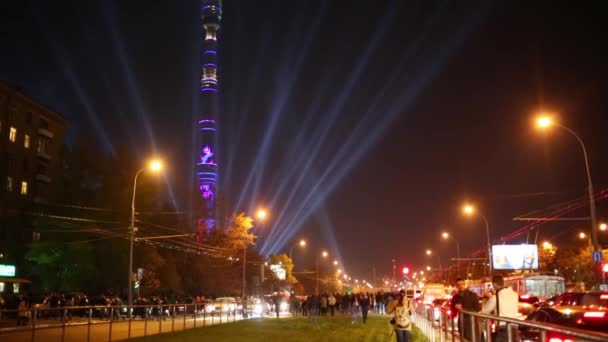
column 44, row 124
column 41, row 169
column 42, row 145
column 24, row 188
column 26, row 141
column 13, row 134
column 9, row 184
column 26, row 165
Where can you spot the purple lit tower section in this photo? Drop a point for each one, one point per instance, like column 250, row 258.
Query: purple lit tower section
column 206, row 166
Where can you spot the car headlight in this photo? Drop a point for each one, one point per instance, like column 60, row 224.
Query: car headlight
column 283, row 306
column 258, row 309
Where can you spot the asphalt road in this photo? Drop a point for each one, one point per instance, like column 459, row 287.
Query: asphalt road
column 76, row 331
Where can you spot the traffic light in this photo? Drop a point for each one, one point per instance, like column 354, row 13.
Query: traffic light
column 406, row 271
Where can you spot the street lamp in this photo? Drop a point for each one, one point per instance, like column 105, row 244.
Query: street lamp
column 545, row 121
column 469, row 210
column 429, row 252
column 302, row 244
column 428, row 268
column 324, row 254
column 603, row 227
column 261, row 215
column 335, row 262
column 154, row 165
column 446, row 236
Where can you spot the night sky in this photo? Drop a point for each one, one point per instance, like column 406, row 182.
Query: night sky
column 362, row 125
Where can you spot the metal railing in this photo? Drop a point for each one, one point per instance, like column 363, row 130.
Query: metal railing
column 437, row 325
column 110, row 323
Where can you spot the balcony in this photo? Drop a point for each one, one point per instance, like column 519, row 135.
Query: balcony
column 43, row 155
column 43, row 178
column 46, row 133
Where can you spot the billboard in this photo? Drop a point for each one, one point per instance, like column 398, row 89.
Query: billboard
column 515, row 257
column 7, row 270
column 279, row 271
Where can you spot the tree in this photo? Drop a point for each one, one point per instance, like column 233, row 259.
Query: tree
column 546, row 257
column 575, row 264
column 287, row 263
column 237, row 235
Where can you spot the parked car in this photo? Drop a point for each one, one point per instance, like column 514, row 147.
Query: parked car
column 588, row 309
column 209, row 306
column 225, row 304
column 527, row 304
column 546, row 315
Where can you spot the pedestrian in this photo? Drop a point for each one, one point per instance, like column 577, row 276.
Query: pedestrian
column 346, row 303
column 354, row 309
column 313, row 308
column 244, row 307
column 467, row 300
column 331, row 302
column 117, row 306
column 402, row 324
column 379, row 304
column 372, row 301
column 364, row 304
column 323, row 301
column 22, row 311
column 277, row 304
column 502, row 303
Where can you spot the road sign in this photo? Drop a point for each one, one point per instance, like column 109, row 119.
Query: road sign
column 597, row 256
column 140, row 273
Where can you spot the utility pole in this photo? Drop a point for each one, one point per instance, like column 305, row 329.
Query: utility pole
column 394, row 272
column 374, row 272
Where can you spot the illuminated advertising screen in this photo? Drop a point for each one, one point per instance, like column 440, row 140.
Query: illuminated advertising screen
column 279, row 271
column 515, row 257
column 7, row 270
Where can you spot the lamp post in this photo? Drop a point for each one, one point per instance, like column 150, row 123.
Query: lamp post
column 325, row 255
column 469, row 210
column 545, row 121
column 446, row 236
column 154, row 166
column 301, row 243
column 260, row 214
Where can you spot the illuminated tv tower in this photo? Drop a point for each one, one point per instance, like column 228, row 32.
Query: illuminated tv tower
column 206, row 166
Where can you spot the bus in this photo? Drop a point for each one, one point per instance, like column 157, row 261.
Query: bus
column 431, row 292
column 539, row 285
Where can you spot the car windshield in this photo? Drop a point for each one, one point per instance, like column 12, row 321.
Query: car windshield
column 594, row 299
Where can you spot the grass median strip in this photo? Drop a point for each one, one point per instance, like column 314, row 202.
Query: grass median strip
column 337, row 328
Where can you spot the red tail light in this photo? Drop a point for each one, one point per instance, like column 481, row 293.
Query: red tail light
column 557, row 339
column 594, row 314
column 604, row 296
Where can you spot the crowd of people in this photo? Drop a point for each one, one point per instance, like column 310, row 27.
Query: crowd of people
column 328, row 304
column 358, row 305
